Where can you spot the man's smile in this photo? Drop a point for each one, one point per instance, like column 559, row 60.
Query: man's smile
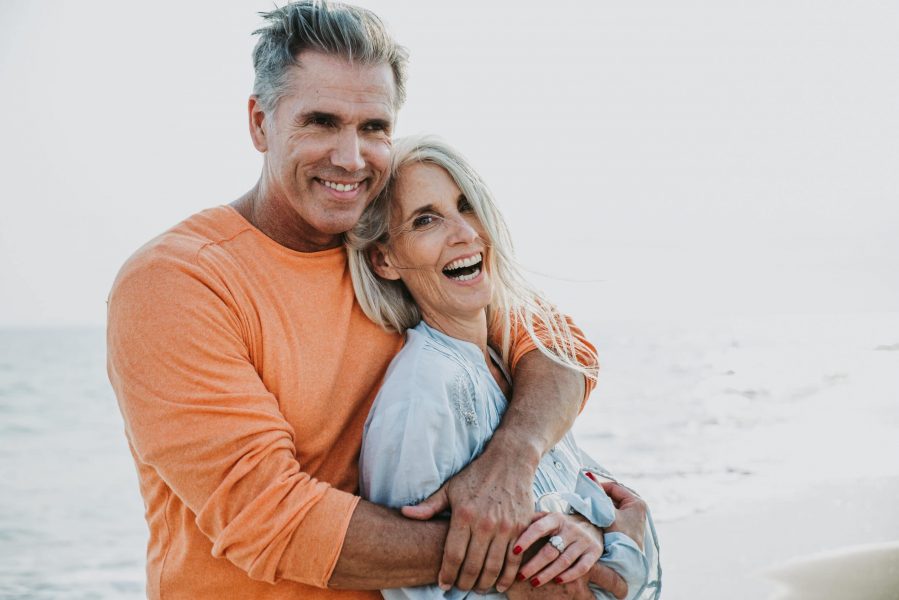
column 340, row 187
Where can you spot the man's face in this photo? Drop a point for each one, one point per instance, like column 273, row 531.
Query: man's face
column 327, row 145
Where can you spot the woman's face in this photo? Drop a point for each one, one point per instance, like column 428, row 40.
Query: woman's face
column 437, row 246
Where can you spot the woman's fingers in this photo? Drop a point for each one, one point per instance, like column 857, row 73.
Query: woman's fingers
column 544, row 557
column 620, row 495
column 563, row 561
column 580, row 567
column 540, row 528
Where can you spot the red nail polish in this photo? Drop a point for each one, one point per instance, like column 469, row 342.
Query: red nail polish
column 521, row 577
column 558, row 580
column 591, row 475
column 535, row 582
column 516, row 550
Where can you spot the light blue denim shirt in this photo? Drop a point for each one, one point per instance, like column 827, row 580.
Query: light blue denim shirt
column 436, row 410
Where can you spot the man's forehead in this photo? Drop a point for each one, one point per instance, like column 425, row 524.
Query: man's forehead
column 333, row 81
column 348, row 98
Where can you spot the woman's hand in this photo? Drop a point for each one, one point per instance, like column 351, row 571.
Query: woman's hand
column 630, row 512
column 573, row 548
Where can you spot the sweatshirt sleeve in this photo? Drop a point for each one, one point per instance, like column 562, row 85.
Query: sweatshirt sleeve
column 197, row 412
column 522, row 343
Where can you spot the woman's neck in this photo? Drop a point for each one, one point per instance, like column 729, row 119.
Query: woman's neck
column 473, row 329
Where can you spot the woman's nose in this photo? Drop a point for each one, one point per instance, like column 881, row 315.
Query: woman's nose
column 462, row 230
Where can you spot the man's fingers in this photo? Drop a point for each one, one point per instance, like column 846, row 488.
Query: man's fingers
column 428, row 508
column 473, row 563
column 609, row 580
column 454, row 551
column 493, row 564
column 510, row 570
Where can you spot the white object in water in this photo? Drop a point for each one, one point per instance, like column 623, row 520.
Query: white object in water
column 869, row 572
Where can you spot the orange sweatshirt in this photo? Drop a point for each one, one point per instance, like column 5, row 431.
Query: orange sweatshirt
column 244, row 372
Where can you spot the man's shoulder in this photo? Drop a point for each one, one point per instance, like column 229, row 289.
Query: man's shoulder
column 176, row 251
column 185, row 240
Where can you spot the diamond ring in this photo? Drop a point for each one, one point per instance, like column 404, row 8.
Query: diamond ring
column 558, row 543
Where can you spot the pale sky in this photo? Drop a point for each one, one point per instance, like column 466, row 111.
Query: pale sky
column 656, row 159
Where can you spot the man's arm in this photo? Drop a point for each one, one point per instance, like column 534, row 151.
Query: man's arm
column 199, row 417
column 382, row 549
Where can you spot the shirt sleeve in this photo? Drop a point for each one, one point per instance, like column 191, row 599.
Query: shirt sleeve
column 415, row 439
column 197, row 412
column 522, row 343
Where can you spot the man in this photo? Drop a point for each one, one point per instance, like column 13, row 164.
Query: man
column 244, row 369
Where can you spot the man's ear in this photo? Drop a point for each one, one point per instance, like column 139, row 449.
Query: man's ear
column 380, row 262
column 257, row 118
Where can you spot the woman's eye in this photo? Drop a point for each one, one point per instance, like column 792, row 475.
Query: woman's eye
column 465, row 205
column 423, row 221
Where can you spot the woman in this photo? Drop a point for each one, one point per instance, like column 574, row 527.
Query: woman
column 432, row 257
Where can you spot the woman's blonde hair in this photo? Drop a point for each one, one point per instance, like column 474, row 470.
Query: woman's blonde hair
column 515, row 303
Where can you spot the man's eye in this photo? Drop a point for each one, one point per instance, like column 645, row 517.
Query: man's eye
column 321, row 121
column 375, row 127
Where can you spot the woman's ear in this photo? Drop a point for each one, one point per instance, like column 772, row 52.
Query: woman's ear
column 380, row 262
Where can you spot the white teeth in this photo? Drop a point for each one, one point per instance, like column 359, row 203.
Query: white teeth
column 464, row 262
column 468, row 277
column 340, row 187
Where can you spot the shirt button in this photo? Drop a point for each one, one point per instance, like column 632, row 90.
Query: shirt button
column 558, row 465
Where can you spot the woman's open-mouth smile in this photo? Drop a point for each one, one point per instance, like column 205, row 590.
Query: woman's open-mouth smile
column 464, row 269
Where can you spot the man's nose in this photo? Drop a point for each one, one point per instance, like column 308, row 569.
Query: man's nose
column 347, row 152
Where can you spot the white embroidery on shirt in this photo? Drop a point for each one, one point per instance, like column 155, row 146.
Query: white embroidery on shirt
column 462, row 394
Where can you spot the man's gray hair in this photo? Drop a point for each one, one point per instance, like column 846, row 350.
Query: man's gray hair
column 332, row 28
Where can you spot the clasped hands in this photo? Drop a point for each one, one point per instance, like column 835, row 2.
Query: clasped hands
column 493, row 528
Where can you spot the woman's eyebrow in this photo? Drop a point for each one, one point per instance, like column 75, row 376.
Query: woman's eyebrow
column 420, row 210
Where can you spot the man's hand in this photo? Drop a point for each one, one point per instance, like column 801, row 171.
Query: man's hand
column 492, row 503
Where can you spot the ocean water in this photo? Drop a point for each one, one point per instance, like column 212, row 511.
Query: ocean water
column 71, row 517
column 690, row 413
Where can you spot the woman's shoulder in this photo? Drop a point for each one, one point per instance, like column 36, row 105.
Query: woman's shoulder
column 429, row 355
column 425, row 371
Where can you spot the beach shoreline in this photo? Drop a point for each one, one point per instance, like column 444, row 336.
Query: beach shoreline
column 724, row 552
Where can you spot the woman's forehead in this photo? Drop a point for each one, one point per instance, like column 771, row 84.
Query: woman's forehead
column 422, row 183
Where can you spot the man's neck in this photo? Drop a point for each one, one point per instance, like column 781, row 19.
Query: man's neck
column 266, row 214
